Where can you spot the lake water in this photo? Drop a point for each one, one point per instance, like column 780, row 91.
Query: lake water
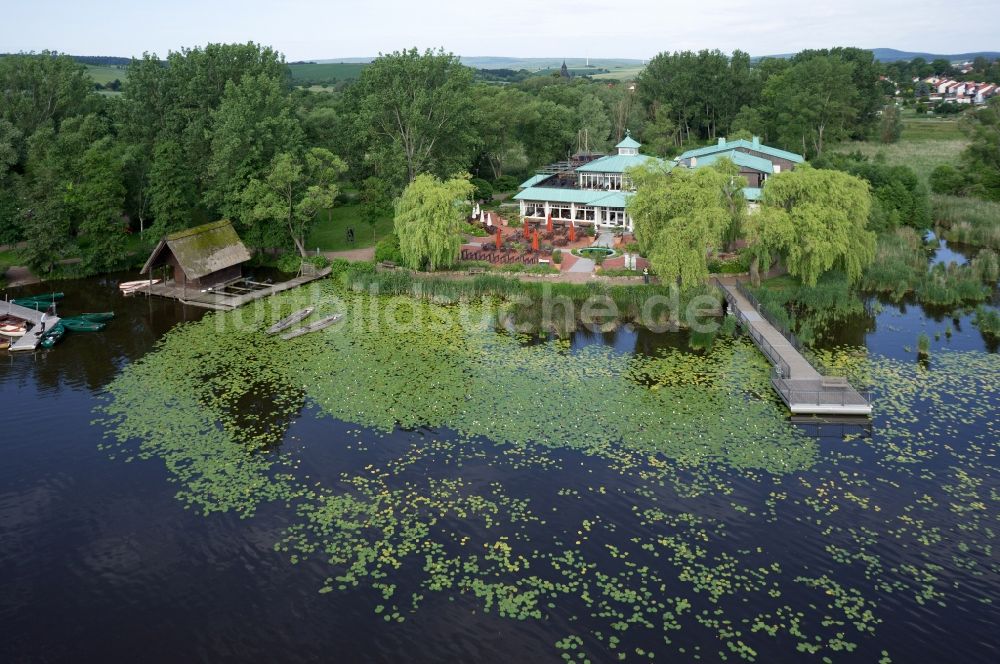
column 495, row 534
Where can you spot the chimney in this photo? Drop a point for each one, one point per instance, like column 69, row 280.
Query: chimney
column 756, row 142
column 722, row 140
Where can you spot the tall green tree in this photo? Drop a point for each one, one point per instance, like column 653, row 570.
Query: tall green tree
column 812, row 103
column 253, row 124
column 829, row 212
column 43, row 89
column 678, row 215
column 416, row 106
column 173, row 188
column 284, row 203
column 429, row 219
column 593, row 124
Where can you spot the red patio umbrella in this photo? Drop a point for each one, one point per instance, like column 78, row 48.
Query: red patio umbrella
column 534, row 242
column 499, row 240
column 548, row 224
column 526, row 231
column 572, row 233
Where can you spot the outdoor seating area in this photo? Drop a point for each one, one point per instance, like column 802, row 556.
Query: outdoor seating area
column 529, row 244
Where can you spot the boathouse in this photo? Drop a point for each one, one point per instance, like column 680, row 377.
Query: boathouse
column 200, row 258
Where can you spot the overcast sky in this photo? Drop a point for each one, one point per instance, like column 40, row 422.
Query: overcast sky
column 319, row 29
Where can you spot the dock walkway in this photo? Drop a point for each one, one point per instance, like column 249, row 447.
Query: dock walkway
column 803, row 389
column 33, row 336
column 222, row 301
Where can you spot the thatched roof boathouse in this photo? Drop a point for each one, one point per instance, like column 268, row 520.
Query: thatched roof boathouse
column 201, row 258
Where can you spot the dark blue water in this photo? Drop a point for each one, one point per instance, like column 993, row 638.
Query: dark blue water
column 100, row 562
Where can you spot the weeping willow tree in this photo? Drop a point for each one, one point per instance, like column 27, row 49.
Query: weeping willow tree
column 816, row 219
column 679, row 215
column 429, row 219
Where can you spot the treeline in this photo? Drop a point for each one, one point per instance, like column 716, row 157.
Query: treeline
column 803, row 104
column 221, row 131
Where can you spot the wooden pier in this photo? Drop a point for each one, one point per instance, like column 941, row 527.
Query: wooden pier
column 227, row 297
column 803, row 389
column 33, row 337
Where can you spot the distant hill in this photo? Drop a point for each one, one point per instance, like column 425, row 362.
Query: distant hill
column 531, row 64
column 892, row 55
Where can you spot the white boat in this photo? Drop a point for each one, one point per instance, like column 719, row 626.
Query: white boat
column 288, row 321
column 13, row 330
column 127, row 287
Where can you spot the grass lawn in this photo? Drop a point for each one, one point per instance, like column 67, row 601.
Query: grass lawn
column 330, row 231
column 923, row 156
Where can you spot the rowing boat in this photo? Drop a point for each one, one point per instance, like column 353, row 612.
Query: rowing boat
column 53, row 336
column 45, row 297
column 288, row 321
column 128, row 287
column 37, row 305
column 103, row 317
column 76, row 324
column 312, row 327
column 13, row 330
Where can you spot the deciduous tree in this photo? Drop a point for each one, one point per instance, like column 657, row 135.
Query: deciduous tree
column 429, row 219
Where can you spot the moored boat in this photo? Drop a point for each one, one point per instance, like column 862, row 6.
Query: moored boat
column 51, row 337
column 37, row 305
column 45, row 297
column 288, row 321
column 312, row 327
column 128, row 287
column 13, row 328
column 103, row 317
column 76, row 324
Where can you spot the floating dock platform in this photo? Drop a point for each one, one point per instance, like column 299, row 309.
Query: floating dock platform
column 803, row 389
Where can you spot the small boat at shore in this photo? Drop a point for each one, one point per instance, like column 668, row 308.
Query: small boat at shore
column 37, row 305
column 51, row 337
column 288, row 321
column 322, row 323
column 13, row 329
column 128, row 287
column 45, row 297
column 78, row 324
column 102, row 317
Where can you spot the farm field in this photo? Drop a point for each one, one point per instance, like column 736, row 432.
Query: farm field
column 103, row 74
column 332, row 72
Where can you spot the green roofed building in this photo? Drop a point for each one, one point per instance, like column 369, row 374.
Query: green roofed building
column 756, row 161
column 588, row 189
column 593, row 189
column 202, row 257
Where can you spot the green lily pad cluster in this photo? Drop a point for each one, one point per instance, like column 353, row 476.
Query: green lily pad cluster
column 647, row 503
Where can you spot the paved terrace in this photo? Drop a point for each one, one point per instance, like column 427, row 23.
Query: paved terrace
column 800, row 385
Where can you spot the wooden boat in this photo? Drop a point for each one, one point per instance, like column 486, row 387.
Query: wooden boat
column 53, row 336
column 13, row 330
column 76, row 324
column 127, row 287
column 312, row 327
column 288, row 321
column 103, row 317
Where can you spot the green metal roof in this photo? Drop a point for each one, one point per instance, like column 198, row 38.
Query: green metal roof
column 724, row 146
column 629, row 142
column 616, row 163
column 534, row 179
column 615, row 199
column 751, row 193
column 740, row 159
